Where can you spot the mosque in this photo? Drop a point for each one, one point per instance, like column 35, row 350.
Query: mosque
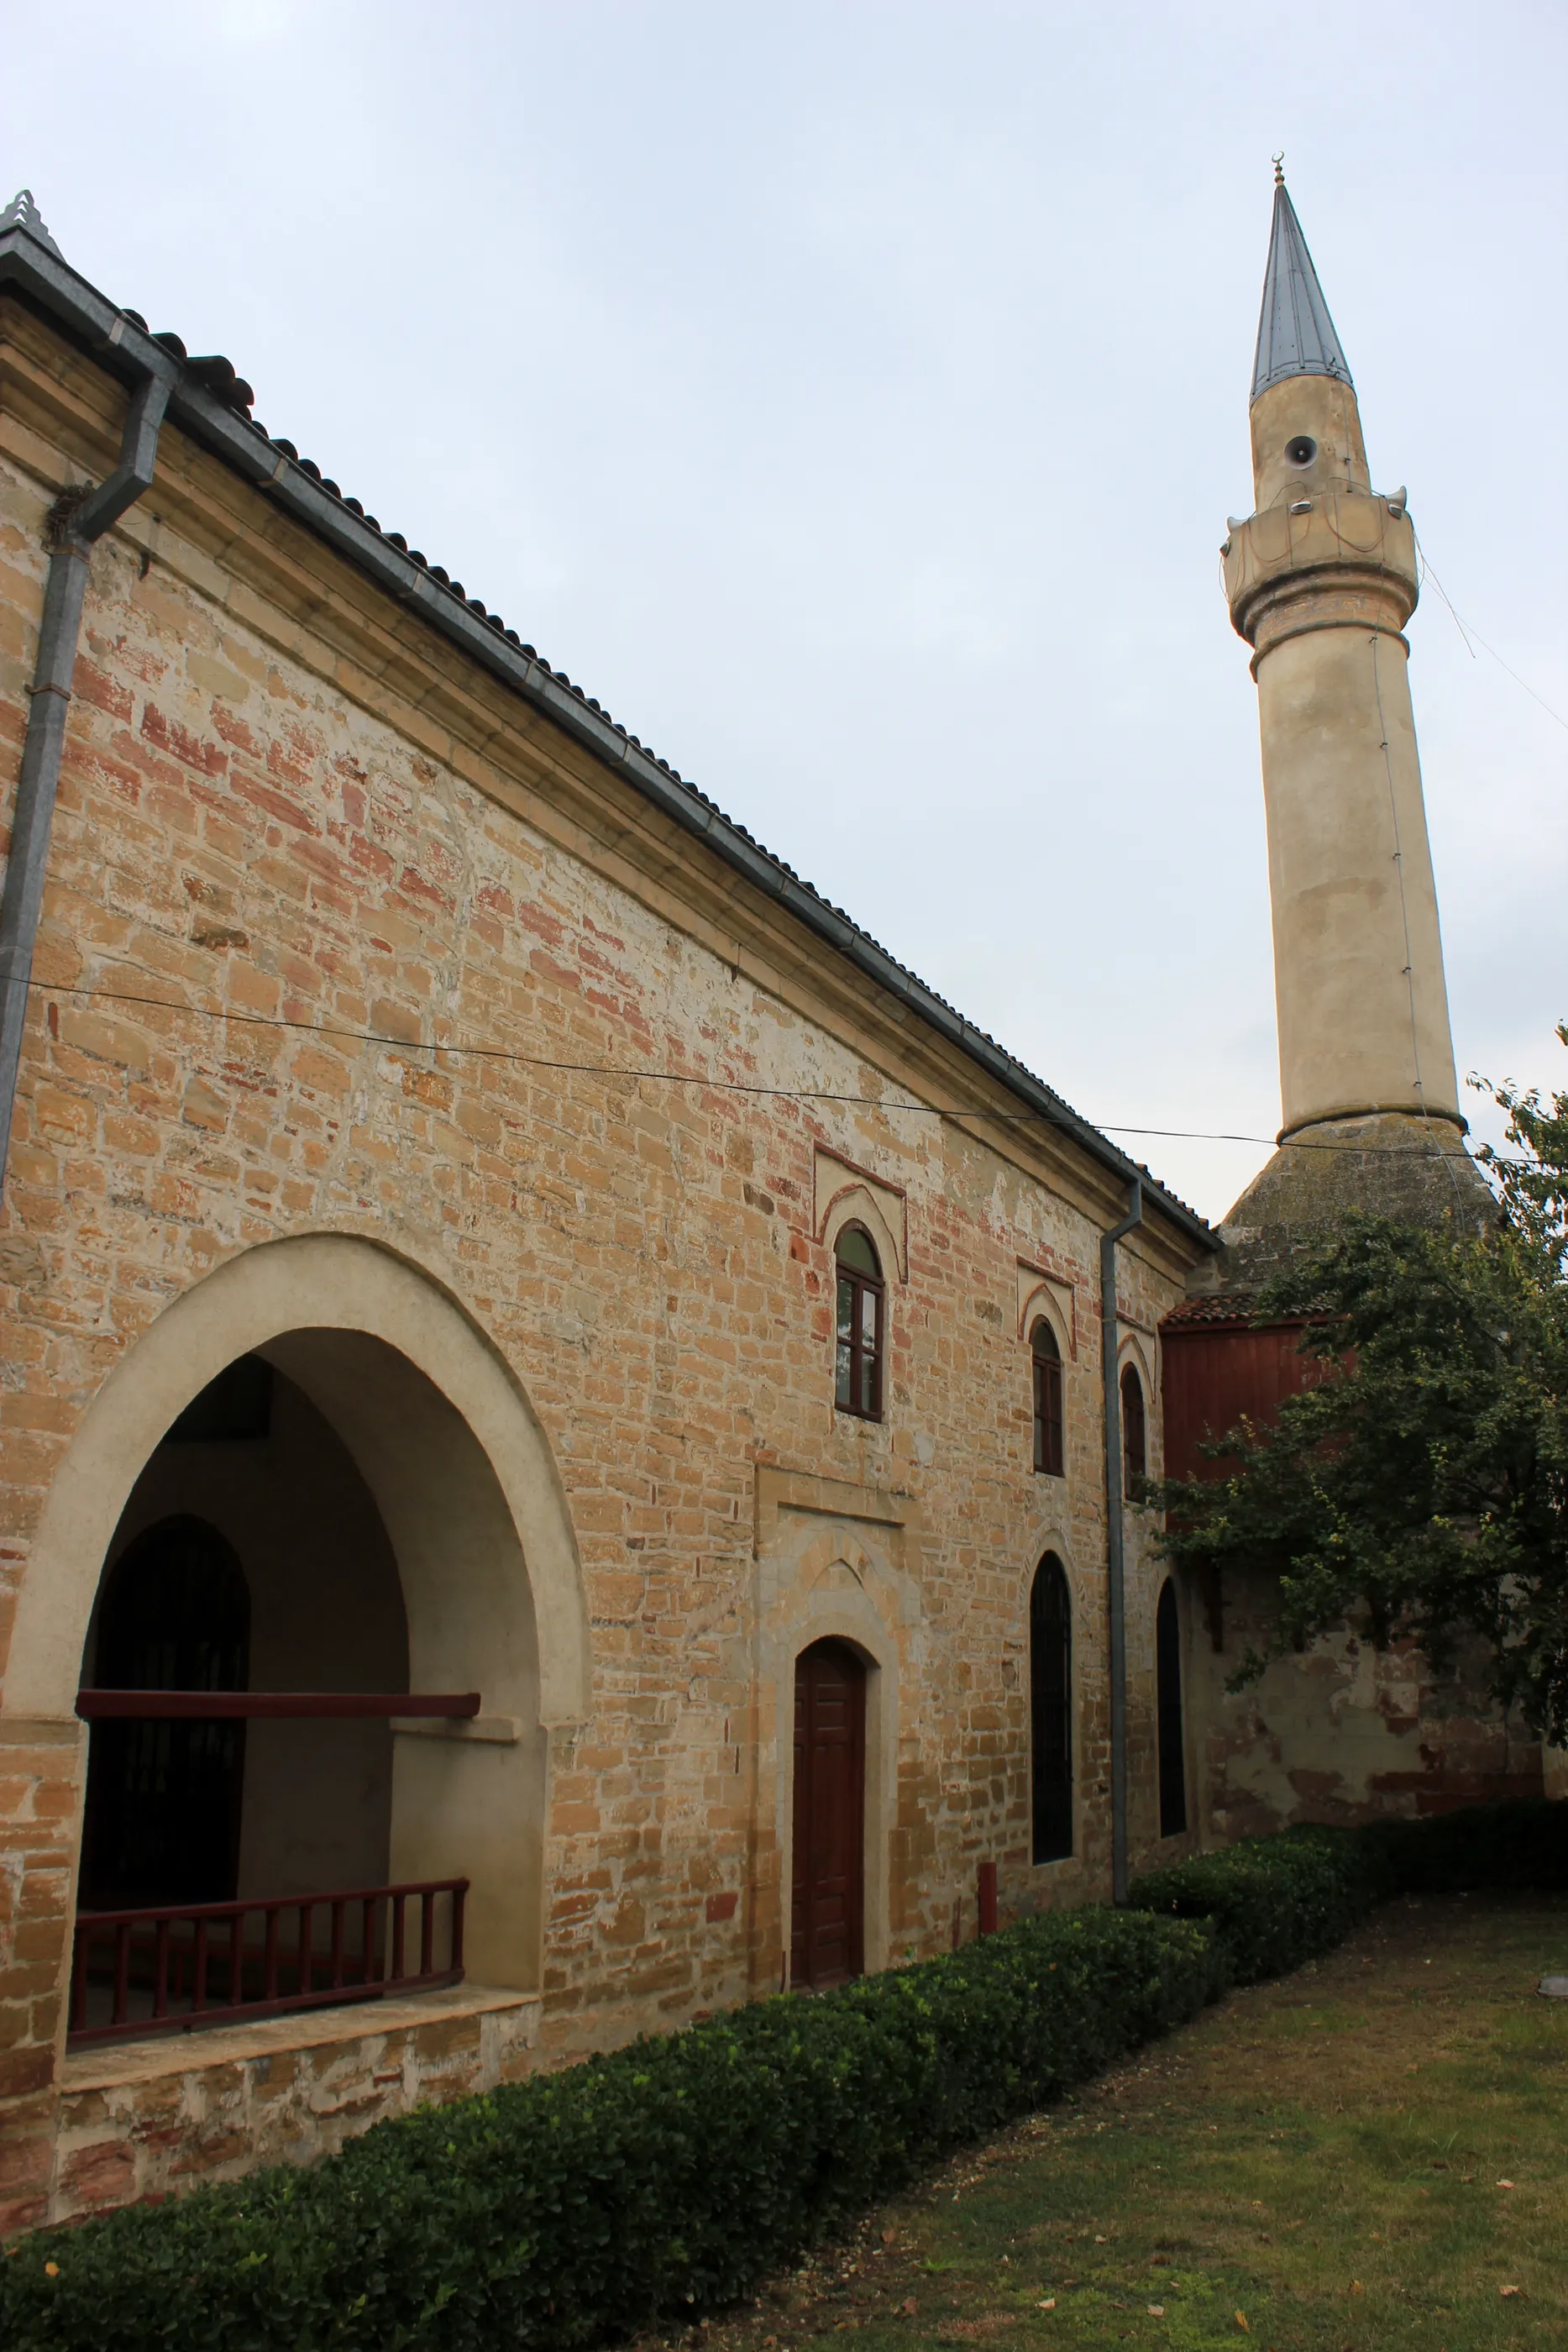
column 512, row 1302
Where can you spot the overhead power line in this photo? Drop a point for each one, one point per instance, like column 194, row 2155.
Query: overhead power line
column 1467, row 632
column 643, row 1075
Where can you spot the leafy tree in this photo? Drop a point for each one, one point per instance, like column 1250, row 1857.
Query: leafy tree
column 1419, row 1485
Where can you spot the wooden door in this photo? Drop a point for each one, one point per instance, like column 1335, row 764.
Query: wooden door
column 828, row 1897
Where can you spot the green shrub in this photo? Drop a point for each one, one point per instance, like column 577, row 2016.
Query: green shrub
column 667, row 2178
column 1277, row 1901
column 663, row 2178
column 1274, row 1902
column 1513, row 1848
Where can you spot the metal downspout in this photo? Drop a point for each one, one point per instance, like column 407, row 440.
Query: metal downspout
column 1114, row 1538
column 21, row 900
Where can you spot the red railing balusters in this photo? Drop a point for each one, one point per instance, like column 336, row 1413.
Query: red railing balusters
column 144, row 1986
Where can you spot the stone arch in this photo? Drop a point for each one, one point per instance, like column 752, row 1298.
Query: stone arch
column 462, row 1476
column 1048, row 1533
column 857, row 1205
column 1049, row 1540
column 1133, row 1347
column 1043, row 1304
column 1049, row 1390
column 1137, row 1354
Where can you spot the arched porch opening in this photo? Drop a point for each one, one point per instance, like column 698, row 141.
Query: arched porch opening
column 249, row 1507
column 398, row 1526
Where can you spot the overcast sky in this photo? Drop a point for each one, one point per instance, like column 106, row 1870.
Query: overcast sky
column 852, row 399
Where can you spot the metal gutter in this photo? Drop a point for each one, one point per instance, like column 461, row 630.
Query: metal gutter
column 1115, row 1535
column 38, row 273
column 77, row 527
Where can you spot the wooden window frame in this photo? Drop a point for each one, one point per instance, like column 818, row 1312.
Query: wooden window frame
column 861, row 1285
column 1049, row 1419
column 1134, row 1477
column 1170, row 1714
column 1052, row 1793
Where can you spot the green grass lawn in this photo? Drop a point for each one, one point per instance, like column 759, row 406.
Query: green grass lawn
column 1364, row 2155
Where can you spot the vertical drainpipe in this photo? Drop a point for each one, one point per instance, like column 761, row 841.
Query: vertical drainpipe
column 21, row 902
column 1114, row 1538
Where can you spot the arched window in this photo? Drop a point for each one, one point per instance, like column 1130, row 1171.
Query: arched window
column 857, row 1379
column 1048, row 1450
column 164, row 1798
column 1134, row 1436
column 1050, row 1710
column 1172, row 1737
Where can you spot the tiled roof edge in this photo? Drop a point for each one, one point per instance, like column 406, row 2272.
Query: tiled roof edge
column 1228, row 1311
column 125, row 347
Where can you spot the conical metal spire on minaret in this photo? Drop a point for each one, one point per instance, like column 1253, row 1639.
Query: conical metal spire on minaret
column 1295, row 333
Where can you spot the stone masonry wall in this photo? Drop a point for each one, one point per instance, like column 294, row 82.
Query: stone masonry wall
column 149, row 2119
column 1344, row 1732
column 300, row 859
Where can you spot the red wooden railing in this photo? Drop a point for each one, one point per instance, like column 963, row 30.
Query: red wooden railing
column 167, row 1969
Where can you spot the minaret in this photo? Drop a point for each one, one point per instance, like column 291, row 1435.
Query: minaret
column 1321, row 581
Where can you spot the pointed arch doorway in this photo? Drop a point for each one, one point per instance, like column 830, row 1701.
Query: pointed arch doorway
column 828, row 1887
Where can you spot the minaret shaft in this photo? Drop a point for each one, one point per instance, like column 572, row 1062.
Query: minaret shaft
column 1321, row 581
column 1358, row 957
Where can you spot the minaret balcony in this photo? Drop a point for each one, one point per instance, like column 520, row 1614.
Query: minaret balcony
column 1342, row 559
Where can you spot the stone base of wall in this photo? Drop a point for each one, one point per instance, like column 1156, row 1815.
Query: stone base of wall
column 148, row 2120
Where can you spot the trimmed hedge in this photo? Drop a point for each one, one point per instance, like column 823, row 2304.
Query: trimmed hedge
column 1273, row 1902
column 663, row 2178
column 666, row 2177
column 1514, row 1848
